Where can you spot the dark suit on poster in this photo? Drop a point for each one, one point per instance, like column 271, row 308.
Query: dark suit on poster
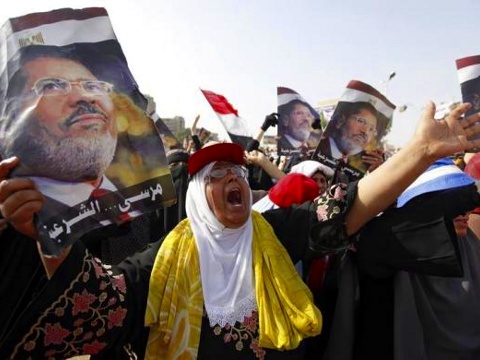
column 324, row 147
column 352, row 166
column 284, row 144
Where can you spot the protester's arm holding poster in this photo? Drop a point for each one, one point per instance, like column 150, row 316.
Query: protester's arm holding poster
column 282, row 163
column 22, row 207
column 258, row 158
column 270, row 121
column 194, row 135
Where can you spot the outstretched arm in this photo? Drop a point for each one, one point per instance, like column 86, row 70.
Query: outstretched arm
column 193, row 133
column 433, row 139
column 258, row 158
column 270, row 120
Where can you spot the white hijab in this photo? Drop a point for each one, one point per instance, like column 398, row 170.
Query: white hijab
column 226, row 266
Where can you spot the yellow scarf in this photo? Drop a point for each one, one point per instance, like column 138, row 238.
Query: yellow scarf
column 175, row 301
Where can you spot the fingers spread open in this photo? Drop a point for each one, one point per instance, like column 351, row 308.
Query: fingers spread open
column 459, row 110
column 471, row 120
column 473, row 130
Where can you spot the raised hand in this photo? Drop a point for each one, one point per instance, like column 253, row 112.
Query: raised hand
column 270, row 120
column 255, row 157
column 194, row 125
column 452, row 134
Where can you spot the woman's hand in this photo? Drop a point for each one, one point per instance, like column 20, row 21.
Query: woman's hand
column 373, row 159
column 194, row 125
column 452, row 134
column 19, row 199
column 255, row 157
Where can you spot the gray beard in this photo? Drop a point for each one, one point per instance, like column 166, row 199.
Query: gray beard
column 349, row 148
column 66, row 159
column 301, row 135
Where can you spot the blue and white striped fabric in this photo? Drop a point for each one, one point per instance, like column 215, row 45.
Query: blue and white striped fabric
column 442, row 175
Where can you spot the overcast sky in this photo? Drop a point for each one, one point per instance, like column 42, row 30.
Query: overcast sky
column 245, row 49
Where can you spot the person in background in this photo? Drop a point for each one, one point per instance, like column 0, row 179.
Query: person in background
column 403, row 298
column 193, row 133
column 320, row 173
column 472, row 168
column 261, row 171
column 266, row 173
column 271, row 120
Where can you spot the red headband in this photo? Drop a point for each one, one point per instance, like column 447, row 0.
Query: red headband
column 218, row 152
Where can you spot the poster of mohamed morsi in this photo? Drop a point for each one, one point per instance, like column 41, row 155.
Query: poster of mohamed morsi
column 362, row 117
column 298, row 124
column 73, row 113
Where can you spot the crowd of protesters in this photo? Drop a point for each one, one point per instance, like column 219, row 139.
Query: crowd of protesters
column 264, row 257
column 116, row 242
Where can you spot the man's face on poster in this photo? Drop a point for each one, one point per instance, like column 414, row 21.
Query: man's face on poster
column 299, row 122
column 358, row 130
column 67, row 129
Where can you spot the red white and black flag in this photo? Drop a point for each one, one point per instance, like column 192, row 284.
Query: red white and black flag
column 469, row 77
column 236, row 126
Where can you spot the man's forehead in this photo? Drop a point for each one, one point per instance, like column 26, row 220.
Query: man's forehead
column 367, row 112
column 52, row 66
column 300, row 106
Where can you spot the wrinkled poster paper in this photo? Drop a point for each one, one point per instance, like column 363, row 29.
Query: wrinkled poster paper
column 74, row 115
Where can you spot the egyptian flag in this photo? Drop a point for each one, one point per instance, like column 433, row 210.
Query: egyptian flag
column 285, row 95
column 469, row 77
column 236, row 127
column 358, row 91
